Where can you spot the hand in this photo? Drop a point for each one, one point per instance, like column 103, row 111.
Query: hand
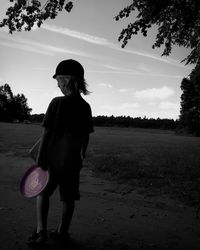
column 44, row 167
column 41, row 163
column 82, row 155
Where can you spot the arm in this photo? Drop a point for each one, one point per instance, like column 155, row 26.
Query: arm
column 42, row 149
column 85, row 141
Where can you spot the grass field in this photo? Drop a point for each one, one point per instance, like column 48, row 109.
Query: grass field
column 155, row 161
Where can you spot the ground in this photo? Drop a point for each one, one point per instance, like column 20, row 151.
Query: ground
column 108, row 216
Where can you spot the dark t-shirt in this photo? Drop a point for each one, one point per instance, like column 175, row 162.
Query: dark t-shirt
column 69, row 119
column 69, row 113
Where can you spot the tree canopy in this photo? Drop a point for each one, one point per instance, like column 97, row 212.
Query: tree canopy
column 178, row 21
column 190, row 102
column 12, row 107
column 24, row 14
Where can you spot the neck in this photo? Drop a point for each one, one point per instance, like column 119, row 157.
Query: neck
column 72, row 94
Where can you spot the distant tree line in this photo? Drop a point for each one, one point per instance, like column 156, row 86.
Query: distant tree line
column 37, row 118
column 13, row 107
column 123, row 121
column 138, row 122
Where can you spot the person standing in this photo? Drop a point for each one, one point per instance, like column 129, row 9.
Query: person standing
column 67, row 126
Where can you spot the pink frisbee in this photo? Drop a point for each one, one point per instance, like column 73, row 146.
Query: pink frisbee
column 34, row 181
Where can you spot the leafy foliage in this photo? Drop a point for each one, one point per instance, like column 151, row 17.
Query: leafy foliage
column 178, row 23
column 25, row 13
column 190, row 102
column 12, row 107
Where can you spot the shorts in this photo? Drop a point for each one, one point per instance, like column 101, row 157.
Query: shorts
column 68, row 184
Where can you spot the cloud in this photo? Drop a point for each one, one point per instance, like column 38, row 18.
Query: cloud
column 123, row 90
column 144, row 68
column 104, row 42
column 120, row 69
column 112, row 67
column 123, row 109
column 164, row 75
column 127, row 71
column 169, row 106
column 106, row 85
column 154, row 93
column 76, row 34
column 130, row 105
column 135, row 73
column 137, row 110
column 163, row 114
column 36, row 47
column 26, row 48
column 151, row 56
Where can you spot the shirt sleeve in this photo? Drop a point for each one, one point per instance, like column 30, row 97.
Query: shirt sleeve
column 49, row 118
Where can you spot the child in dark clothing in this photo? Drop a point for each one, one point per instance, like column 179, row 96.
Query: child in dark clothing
column 67, row 125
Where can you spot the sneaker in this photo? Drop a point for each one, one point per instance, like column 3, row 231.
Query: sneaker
column 55, row 235
column 38, row 238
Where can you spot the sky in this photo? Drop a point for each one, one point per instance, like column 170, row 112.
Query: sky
column 135, row 81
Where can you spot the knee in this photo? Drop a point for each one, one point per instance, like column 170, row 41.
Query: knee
column 69, row 203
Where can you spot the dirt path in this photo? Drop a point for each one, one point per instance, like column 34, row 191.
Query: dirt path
column 104, row 217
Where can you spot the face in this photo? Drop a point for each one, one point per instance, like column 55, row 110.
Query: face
column 63, row 80
column 63, row 83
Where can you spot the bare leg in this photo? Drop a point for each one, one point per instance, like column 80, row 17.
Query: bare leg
column 42, row 208
column 67, row 213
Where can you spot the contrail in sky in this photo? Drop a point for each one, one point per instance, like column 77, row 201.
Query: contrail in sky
column 104, row 42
